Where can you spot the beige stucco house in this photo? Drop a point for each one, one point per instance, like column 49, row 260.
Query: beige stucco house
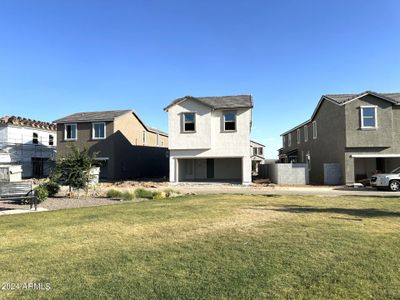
column 209, row 139
column 125, row 145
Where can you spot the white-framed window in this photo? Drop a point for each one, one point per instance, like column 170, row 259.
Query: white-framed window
column 229, row 119
column 51, row 140
column 144, row 136
column 98, row 131
column 289, row 139
column 369, row 117
column 305, row 133
column 314, row 130
column 283, row 141
column 298, row 136
column 189, row 122
column 254, row 150
column 70, row 132
column 260, row 151
column 35, row 138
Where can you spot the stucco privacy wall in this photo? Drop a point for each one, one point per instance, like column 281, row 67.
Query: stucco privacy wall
column 288, row 173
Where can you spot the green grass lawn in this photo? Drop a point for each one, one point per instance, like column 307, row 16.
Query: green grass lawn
column 218, row 246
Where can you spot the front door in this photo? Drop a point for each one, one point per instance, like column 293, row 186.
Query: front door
column 210, row 168
column 37, row 167
column 189, row 169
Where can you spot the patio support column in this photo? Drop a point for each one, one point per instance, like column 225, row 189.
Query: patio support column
column 349, row 169
column 246, row 170
column 173, row 170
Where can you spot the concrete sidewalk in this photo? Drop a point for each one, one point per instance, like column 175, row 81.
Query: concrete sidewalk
column 20, row 211
column 218, row 188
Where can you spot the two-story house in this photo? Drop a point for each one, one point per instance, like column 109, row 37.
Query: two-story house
column 126, row 147
column 348, row 137
column 29, row 143
column 209, row 138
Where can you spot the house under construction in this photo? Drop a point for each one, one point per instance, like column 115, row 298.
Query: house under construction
column 29, row 143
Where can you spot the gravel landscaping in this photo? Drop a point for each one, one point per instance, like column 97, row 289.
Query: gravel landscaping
column 62, row 203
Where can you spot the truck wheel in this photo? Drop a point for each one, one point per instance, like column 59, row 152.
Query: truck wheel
column 394, row 185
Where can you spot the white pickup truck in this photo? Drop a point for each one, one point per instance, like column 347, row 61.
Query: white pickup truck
column 389, row 181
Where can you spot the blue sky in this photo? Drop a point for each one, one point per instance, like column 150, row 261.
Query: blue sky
column 61, row 57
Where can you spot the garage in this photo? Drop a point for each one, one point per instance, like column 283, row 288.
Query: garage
column 210, row 170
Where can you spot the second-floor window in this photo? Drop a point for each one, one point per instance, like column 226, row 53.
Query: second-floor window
column 35, row 138
column 298, row 136
column 70, row 132
column 289, row 139
column 99, row 131
column 51, row 140
column 229, row 121
column 305, row 133
column 189, row 122
column 260, row 151
column 368, row 117
column 314, row 129
column 283, row 141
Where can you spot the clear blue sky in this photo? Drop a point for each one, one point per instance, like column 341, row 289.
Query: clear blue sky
column 61, row 57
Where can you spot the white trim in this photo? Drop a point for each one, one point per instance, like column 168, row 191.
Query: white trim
column 362, row 116
column 305, row 129
column 314, row 130
column 373, row 155
column 93, row 131
column 65, row 132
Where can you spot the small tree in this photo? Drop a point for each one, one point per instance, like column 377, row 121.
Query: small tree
column 74, row 169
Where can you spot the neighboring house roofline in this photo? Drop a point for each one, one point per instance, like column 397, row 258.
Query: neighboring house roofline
column 254, row 142
column 25, row 122
column 93, row 116
column 218, row 102
column 343, row 99
column 148, row 128
column 105, row 116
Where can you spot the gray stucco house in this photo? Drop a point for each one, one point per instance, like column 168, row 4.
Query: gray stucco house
column 348, row 138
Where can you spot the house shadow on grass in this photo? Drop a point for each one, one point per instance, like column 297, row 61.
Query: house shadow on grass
column 353, row 212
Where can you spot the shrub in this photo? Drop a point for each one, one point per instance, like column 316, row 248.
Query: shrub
column 127, row 195
column 52, row 188
column 159, row 195
column 41, row 193
column 114, row 193
column 142, row 193
column 170, row 193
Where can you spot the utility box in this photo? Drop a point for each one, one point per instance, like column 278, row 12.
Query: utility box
column 10, row 173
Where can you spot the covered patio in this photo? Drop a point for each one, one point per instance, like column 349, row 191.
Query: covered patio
column 210, row 169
